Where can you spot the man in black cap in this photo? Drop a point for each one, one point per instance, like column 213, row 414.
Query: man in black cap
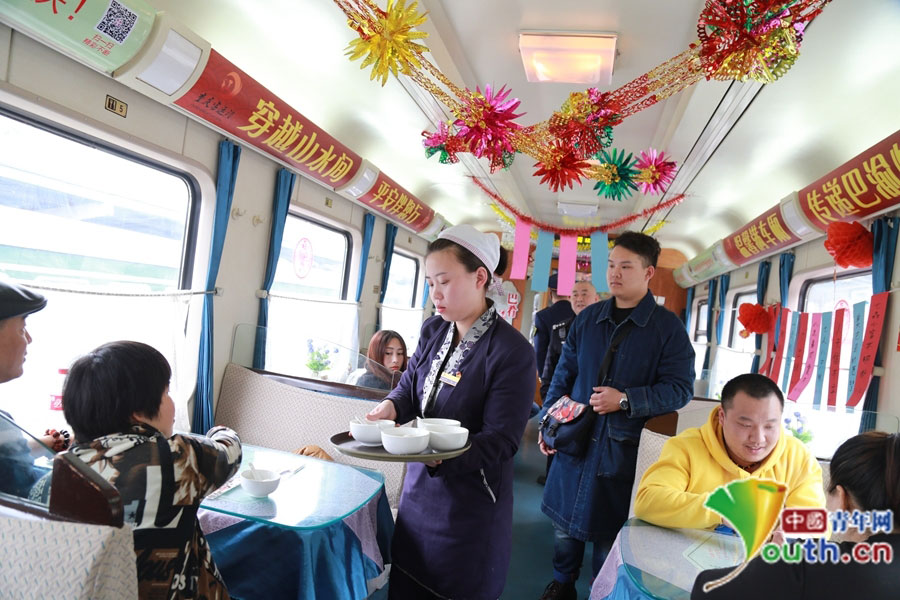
column 559, row 311
column 16, row 304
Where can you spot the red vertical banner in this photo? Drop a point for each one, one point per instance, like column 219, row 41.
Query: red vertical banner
column 815, row 329
column 835, row 366
column 798, row 351
column 770, row 340
column 874, row 327
column 775, row 371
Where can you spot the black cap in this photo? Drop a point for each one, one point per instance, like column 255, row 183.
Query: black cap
column 552, row 283
column 16, row 301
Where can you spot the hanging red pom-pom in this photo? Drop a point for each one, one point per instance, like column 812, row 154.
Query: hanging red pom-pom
column 754, row 318
column 850, row 244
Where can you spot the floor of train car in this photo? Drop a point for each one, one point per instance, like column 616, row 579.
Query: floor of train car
column 530, row 568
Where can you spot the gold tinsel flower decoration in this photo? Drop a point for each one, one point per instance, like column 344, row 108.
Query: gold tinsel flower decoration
column 389, row 40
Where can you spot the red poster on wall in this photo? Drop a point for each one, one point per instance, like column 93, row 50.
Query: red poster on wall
column 763, row 235
column 236, row 103
column 393, row 201
column 874, row 327
column 867, row 184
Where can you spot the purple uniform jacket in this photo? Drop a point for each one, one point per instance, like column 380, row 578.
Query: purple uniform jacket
column 454, row 525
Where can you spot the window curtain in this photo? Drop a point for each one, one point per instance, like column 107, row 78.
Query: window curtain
column 688, row 309
column 425, row 295
column 762, row 285
column 785, row 272
column 724, row 282
column 368, row 226
column 284, row 187
column 226, row 175
column 710, row 306
column 390, row 234
column 884, row 231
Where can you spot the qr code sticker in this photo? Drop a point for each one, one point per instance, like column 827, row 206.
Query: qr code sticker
column 118, row 22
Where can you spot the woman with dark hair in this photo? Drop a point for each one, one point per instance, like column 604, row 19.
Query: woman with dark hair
column 386, row 360
column 117, row 401
column 865, row 476
column 453, row 534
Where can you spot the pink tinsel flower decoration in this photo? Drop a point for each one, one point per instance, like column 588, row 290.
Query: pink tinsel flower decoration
column 487, row 122
column 655, row 173
column 438, row 138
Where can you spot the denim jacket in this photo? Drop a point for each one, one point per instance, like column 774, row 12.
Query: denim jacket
column 587, row 496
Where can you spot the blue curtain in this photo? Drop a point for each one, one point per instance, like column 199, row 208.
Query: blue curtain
column 226, row 175
column 284, row 187
column 785, row 272
column 884, row 231
column 724, row 282
column 368, row 225
column 425, row 295
column 688, row 308
column 390, row 234
column 762, row 285
column 710, row 305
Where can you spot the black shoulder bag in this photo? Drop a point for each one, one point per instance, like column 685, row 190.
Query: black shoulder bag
column 567, row 425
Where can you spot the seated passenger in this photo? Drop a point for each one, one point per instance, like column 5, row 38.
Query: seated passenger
column 117, row 401
column 742, row 438
column 865, row 476
column 386, row 361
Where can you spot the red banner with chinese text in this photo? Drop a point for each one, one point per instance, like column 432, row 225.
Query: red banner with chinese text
column 236, row 103
column 867, row 184
column 764, row 235
column 391, row 200
column 874, row 327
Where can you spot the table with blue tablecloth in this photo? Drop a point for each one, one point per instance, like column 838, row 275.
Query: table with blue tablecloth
column 647, row 562
column 324, row 533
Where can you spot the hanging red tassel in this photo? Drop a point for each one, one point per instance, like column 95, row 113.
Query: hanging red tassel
column 850, row 244
column 754, row 318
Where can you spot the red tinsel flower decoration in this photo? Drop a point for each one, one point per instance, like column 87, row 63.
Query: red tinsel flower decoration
column 486, row 123
column 850, row 244
column 754, row 318
column 563, row 168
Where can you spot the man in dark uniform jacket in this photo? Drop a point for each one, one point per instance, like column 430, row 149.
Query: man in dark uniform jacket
column 560, row 310
column 583, row 295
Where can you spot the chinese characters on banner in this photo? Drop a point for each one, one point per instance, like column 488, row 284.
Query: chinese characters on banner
column 391, row 200
column 104, row 34
column 233, row 101
column 867, row 184
column 763, row 235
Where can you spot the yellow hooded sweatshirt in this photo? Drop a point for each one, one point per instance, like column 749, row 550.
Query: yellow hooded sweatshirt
column 695, row 462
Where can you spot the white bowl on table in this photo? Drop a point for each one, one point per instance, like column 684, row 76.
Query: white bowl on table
column 429, row 422
column 369, row 432
column 404, row 440
column 262, row 485
column 447, row 437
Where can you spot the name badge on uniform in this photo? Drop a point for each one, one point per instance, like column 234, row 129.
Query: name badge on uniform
column 450, row 378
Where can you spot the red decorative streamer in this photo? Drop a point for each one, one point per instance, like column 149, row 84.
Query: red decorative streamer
column 582, row 231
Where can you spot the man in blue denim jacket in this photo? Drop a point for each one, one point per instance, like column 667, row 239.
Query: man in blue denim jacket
column 651, row 373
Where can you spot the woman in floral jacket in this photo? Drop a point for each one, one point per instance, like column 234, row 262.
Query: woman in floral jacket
column 117, row 401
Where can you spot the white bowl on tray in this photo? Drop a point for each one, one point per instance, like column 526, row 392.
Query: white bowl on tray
column 264, row 483
column 405, row 440
column 429, row 422
column 447, row 437
column 369, row 432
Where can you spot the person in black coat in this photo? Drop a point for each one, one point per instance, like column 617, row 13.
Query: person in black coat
column 559, row 310
column 865, row 476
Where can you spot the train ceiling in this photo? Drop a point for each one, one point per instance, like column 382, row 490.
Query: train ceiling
column 740, row 147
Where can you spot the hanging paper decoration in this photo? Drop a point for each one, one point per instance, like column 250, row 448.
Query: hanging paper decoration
column 521, row 249
column 387, row 37
column 747, row 39
column 445, row 143
column 615, row 175
column 754, row 318
column 655, row 173
column 850, row 244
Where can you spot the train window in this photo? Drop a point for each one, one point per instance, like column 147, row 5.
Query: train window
column 107, row 238
column 401, row 286
column 314, row 260
column 700, row 322
column 735, row 341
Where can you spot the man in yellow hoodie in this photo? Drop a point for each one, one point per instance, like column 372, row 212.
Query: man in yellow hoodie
column 743, row 438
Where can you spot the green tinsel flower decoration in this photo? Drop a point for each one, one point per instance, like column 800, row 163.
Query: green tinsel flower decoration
column 615, row 174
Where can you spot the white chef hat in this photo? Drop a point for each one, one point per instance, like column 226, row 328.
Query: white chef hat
column 486, row 246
